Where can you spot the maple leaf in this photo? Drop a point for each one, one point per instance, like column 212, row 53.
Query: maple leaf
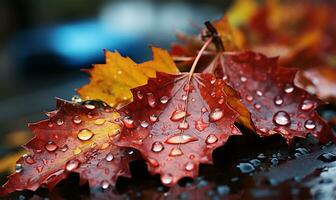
column 176, row 121
column 276, row 105
column 75, row 138
column 112, row 81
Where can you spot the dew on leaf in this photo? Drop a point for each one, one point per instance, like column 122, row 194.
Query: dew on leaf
column 100, row 121
column 90, row 106
column 211, row 139
column 178, row 115
column 200, row 125
column 307, row 105
column 310, row 124
column 59, row 122
column 327, row 157
column 144, row 124
column 72, row 165
column 18, row 168
column 216, row 115
column 164, row 99
column 153, row 162
column 85, row 134
column 151, row 100
column 109, row 157
column 51, row 146
column 128, row 122
column 157, row 147
column 29, row 159
column 282, row 118
column 189, row 166
column 76, row 119
column 176, row 152
column 278, row 101
column 246, row 168
column 289, row 88
column 180, row 139
column 183, row 125
column 153, row 118
column 259, row 93
column 167, row 179
column 105, row 185
column 243, row 79
column 139, row 95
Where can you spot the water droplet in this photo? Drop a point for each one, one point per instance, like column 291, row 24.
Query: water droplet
column 259, row 93
column 257, row 106
column 327, row 157
column 278, row 100
column 76, row 119
column 289, row 88
column 310, row 124
column 180, row 139
column 274, row 161
column 72, row 165
column 109, row 157
column 178, row 115
column 166, row 179
column 105, row 185
column 139, row 94
column 282, row 118
column 144, row 124
column 59, row 122
column 243, row 79
column 216, row 115
column 176, row 152
column 100, row 121
column 221, row 101
column 200, row 125
column 249, row 98
column 85, row 134
column 188, row 87
column 164, row 99
column 64, row 148
column 153, row 162
column 183, row 125
column 184, row 97
column 157, row 147
column 307, row 105
column 18, row 168
column 29, row 159
column 211, row 139
column 104, row 145
column 90, row 106
column 77, row 151
column 151, row 100
column 189, row 166
column 39, row 169
column 76, row 99
column 204, row 110
column 51, row 146
column 128, row 122
column 246, row 168
column 255, row 162
column 153, row 118
column 213, row 81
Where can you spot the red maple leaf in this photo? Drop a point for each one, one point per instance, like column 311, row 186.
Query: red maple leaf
column 75, row 138
column 176, row 121
column 276, row 105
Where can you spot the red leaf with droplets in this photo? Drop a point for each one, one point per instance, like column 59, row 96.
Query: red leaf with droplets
column 75, row 138
column 176, row 125
column 275, row 103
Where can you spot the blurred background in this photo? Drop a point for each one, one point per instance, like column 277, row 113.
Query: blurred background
column 44, row 44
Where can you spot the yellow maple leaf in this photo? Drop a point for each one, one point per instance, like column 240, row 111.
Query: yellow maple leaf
column 111, row 82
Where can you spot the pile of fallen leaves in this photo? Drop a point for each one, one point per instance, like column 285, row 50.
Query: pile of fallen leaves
column 176, row 109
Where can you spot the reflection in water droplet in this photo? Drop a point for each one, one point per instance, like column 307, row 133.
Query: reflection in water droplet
column 216, row 115
column 100, row 121
column 243, row 79
column 90, row 106
column 51, row 146
column 105, row 185
column 18, row 168
column 59, row 122
column 180, row 139
column 176, row 152
column 278, row 100
column 289, row 88
column 183, row 125
column 85, row 134
column 310, row 124
column 259, row 93
column 128, row 122
column 249, row 98
column 213, row 81
column 164, row 99
column 189, row 166
column 109, row 157
column 64, row 148
column 72, row 165
column 144, row 124
column 139, row 94
column 178, row 115
column 153, row 118
column 211, row 139
column 282, row 118
column 257, row 106
column 76, row 119
column 157, row 147
column 166, row 179
column 151, row 100
column 29, row 159
column 204, row 110
column 307, row 105
column 184, row 97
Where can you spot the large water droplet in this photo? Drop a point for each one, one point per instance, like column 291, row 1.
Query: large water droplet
column 176, row 152
column 282, row 118
column 85, row 134
column 216, row 115
column 128, row 122
column 183, row 125
column 153, row 118
column 200, row 125
column 180, row 139
column 166, row 179
column 310, row 124
column 289, row 88
column 211, row 139
column 178, row 115
column 307, row 105
column 327, row 157
column 157, row 147
column 278, row 101
column 246, row 168
column 18, row 168
column 151, row 100
column 144, row 124
column 76, row 119
column 51, row 146
column 109, row 157
column 105, row 184
column 72, row 165
column 164, row 99
column 190, row 166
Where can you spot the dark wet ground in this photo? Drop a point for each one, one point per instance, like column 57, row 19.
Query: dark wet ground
column 247, row 167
